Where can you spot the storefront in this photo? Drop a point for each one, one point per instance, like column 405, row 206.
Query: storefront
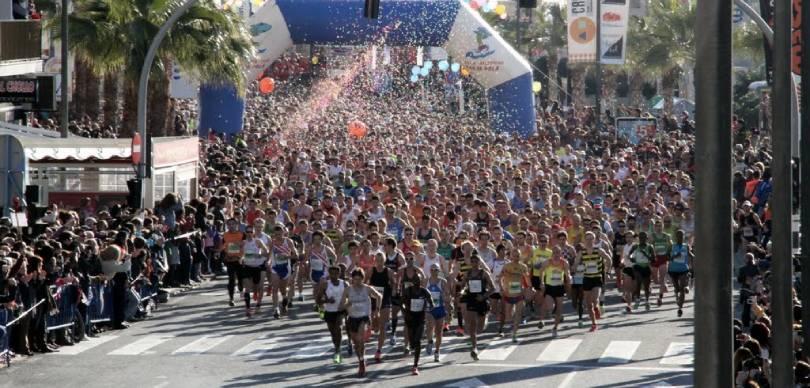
column 49, row 170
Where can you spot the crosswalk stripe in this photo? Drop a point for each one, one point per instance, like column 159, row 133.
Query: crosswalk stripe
column 679, row 353
column 498, row 350
column 450, row 344
column 140, row 346
column 559, row 350
column 619, row 352
column 257, row 347
column 314, row 349
column 85, row 345
column 202, row 344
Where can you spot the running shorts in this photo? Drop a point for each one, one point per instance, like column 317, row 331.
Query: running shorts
column 643, row 273
column 438, row 312
column 354, row 323
column 252, row 273
column 513, row 299
column 591, row 283
column 556, row 291
column 283, row 271
column 316, row 276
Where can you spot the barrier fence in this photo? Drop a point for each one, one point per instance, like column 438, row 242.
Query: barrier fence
column 5, row 330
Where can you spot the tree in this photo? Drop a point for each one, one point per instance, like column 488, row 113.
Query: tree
column 113, row 36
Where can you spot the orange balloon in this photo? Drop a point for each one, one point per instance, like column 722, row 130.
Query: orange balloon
column 464, row 71
column 267, row 85
column 357, row 129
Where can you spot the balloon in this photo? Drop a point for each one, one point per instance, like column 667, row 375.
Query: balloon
column 474, row 4
column 357, row 129
column 464, row 71
column 414, row 78
column 486, row 8
column 267, row 85
column 503, row 16
column 428, row 65
column 537, row 87
column 425, row 71
column 315, row 60
column 500, row 9
column 455, row 67
column 443, row 65
column 415, row 70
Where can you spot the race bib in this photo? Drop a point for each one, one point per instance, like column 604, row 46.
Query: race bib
column 417, row 304
column 556, row 279
column 234, row 248
column 514, row 288
column 436, row 295
column 577, row 279
column 748, row 231
column 281, row 260
column 407, row 285
column 253, row 260
column 641, row 259
column 679, row 259
column 317, row 265
column 475, row 286
column 592, row 267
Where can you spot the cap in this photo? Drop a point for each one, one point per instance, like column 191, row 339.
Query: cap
column 435, row 266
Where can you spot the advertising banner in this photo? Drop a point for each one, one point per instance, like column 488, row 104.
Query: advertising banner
column 581, row 31
column 635, row 129
column 613, row 31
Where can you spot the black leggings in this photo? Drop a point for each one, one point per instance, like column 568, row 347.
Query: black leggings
column 416, row 328
column 233, row 277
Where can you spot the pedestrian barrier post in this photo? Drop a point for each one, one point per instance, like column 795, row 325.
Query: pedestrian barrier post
column 5, row 355
column 65, row 297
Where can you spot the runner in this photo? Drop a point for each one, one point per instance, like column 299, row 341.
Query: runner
column 461, row 265
column 407, row 276
column 577, row 293
column 496, row 266
column 254, row 261
column 356, row 301
column 662, row 244
column 394, row 260
column 439, row 293
column 233, row 240
column 641, row 255
column 320, row 257
column 477, row 289
column 539, row 257
column 679, row 266
column 556, row 278
column 283, row 250
column 629, row 286
column 514, row 285
column 382, row 279
column 416, row 299
column 595, row 261
column 328, row 293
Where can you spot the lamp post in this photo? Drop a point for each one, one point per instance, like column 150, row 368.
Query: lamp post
column 143, row 86
column 65, row 74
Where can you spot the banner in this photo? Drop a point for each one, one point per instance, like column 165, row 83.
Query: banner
column 613, row 31
column 581, row 31
column 635, row 129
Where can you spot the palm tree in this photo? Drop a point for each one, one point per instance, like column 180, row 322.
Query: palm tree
column 113, row 36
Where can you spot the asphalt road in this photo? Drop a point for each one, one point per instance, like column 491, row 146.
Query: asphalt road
column 198, row 341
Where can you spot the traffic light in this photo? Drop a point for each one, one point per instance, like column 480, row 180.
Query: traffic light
column 372, row 9
column 134, row 193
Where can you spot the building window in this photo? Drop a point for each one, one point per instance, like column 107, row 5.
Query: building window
column 184, row 189
column 163, row 184
column 113, row 179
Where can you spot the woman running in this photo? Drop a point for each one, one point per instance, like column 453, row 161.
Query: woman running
column 556, row 276
column 439, row 293
column 415, row 301
column 328, row 293
column 252, row 264
column 320, row 256
column 280, row 268
column 514, row 282
column 477, row 289
column 356, row 301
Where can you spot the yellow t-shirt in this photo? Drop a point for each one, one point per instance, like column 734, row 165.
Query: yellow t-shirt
column 539, row 256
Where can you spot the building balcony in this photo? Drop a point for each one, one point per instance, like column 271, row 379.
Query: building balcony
column 20, row 47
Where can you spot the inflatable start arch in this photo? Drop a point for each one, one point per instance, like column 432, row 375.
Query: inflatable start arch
column 450, row 24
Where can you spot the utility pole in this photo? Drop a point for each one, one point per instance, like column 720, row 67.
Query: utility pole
column 781, row 202
column 713, row 236
column 804, row 185
column 65, row 70
column 598, row 104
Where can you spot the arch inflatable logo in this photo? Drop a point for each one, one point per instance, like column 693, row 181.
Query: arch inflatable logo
column 483, row 50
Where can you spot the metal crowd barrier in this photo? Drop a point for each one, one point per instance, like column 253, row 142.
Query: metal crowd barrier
column 66, row 298
column 100, row 307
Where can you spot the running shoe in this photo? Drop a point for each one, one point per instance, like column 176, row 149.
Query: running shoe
column 627, row 309
column 474, row 354
column 336, row 358
column 257, row 309
column 638, row 302
column 554, row 332
column 429, row 348
column 276, row 314
column 500, row 333
column 231, row 303
column 436, row 356
column 446, row 327
column 680, row 313
column 459, row 332
column 378, row 356
column 540, row 324
column 407, row 351
column 514, row 338
column 579, row 323
column 593, row 328
column 362, row 369
column 647, row 306
column 686, row 290
column 247, row 313
column 660, row 300
column 415, row 371
column 301, row 298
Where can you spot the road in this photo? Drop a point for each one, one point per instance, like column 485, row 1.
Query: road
column 198, row 341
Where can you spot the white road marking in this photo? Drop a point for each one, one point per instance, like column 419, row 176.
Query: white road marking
column 559, row 350
column 202, row 345
column 257, row 348
column 679, row 353
column 84, row 345
column 498, row 349
column 449, row 345
column 315, row 349
column 567, row 380
column 140, row 346
column 574, row 367
column 619, row 352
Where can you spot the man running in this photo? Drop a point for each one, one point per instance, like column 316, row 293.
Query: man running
column 328, row 293
column 556, row 275
column 407, row 276
column 233, row 241
column 283, row 250
column 662, row 244
column 679, row 264
column 440, row 293
column 415, row 301
column 253, row 263
column 356, row 301
column 641, row 255
column 382, row 279
column 478, row 287
column 595, row 261
column 513, row 286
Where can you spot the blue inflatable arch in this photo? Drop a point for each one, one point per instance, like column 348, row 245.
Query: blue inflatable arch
column 450, row 24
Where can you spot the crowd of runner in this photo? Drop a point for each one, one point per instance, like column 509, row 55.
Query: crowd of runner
column 429, row 223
